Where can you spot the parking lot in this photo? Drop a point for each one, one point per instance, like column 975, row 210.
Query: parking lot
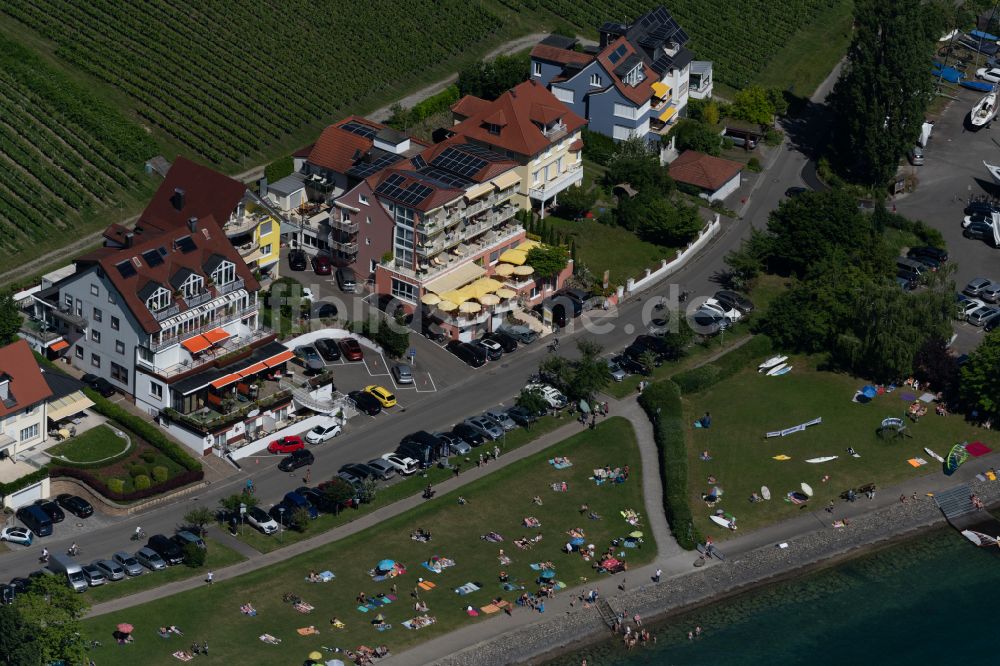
column 952, row 174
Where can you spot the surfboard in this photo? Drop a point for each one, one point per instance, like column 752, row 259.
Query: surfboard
column 771, row 362
column 806, row 488
column 719, row 520
column 765, row 492
column 933, row 455
column 781, row 371
column 776, row 369
column 782, row 457
column 821, row 459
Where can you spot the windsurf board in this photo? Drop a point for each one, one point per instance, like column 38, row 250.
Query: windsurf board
column 806, row 488
column 781, row 371
column 765, row 492
column 822, row 459
column 719, row 520
column 771, row 362
column 776, row 369
column 933, row 455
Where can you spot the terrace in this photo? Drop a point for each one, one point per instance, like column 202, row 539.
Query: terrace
column 214, row 353
column 439, row 262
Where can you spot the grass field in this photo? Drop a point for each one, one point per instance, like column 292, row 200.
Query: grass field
column 602, row 247
column 96, row 444
column 747, row 406
column 498, row 503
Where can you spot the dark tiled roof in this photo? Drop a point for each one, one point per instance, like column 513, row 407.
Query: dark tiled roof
column 560, row 55
column 206, row 193
column 61, row 385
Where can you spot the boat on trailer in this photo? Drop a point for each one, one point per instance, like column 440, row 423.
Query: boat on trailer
column 979, row 86
column 984, row 111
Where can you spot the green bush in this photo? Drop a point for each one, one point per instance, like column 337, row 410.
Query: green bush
column 193, row 555
column 662, row 404
column 141, row 482
column 138, row 469
column 160, row 473
column 148, row 456
column 724, row 367
column 754, row 165
column 278, row 169
column 116, row 485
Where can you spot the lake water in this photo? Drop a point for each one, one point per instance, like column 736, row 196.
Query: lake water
column 932, row 600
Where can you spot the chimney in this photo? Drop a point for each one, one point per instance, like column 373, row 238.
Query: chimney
column 129, row 238
column 177, row 199
column 193, row 224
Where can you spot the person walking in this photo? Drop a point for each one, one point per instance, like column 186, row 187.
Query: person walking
column 656, row 576
column 210, row 577
column 308, row 474
column 496, row 452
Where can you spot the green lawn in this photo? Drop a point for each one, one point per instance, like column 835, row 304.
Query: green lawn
column 603, row 247
column 389, row 494
column 498, row 503
column 748, row 405
column 98, row 443
column 218, row 556
column 810, row 54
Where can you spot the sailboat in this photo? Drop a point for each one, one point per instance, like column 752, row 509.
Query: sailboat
column 984, row 111
column 994, row 171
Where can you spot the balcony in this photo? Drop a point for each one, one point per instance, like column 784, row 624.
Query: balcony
column 545, row 191
column 242, row 225
column 163, row 343
column 167, row 312
column 555, row 132
column 346, row 226
column 199, row 298
column 448, row 261
column 211, row 355
column 229, row 286
column 207, row 420
column 39, row 330
column 349, row 247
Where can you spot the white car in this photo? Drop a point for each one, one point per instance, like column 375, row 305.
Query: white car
column 732, row 314
column 17, row 534
column 401, row 464
column 260, row 519
column 321, row 433
column 550, row 394
column 991, row 74
column 969, row 305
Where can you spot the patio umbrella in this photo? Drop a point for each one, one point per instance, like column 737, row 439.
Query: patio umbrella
column 869, row 391
column 385, row 565
column 430, row 299
column 548, row 573
column 636, row 535
column 126, row 628
column 504, row 269
column 315, row 655
column 506, row 293
column 489, row 299
column 584, row 407
column 380, row 618
column 523, row 270
column 447, row 306
column 469, row 307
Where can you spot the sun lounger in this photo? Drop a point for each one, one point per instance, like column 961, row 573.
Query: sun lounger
column 468, row 588
column 307, row 631
column 383, row 627
column 271, row 640
column 183, row 656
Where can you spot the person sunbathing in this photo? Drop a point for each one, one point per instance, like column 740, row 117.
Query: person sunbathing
column 314, row 577
column 175, row 630
column 164, row 632
column 537, row 500
column 421, row 606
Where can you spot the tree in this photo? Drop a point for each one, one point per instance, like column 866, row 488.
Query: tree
column 635, row 163
column 556, row 370
column 659, row 220
column 51, row 611
column 980, row 377
column 648, row 359
column 490, row 79
column 17, row 642
column 199, row 517
column 299, row 520
column 879, row 102
column 575, row 201
column 693, row 135
column 677, row 341
column 194, row 556
column 232, row 503
column 589, row 372
column 935, row 365
column 366, row 491
column 532, row 400
column 10, row 318
column 337, row 492
column 278, row 169
column 547, row 260
column 754, row 105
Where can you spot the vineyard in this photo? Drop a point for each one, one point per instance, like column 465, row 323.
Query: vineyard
column 64, row 155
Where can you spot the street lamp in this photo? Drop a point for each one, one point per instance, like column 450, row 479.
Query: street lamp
column 281, row 528
column 243, row 513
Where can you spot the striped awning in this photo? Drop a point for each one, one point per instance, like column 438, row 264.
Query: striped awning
column 508, row 179
column 225, row 381
column 253, row 369
column 196, row 344
column 217, row 335
column 279, row 358
column 68, row 405
column 478, row 190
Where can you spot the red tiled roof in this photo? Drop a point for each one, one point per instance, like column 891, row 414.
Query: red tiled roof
column 26, row 386
column 337, row 149
column 303, row 151
column 207, row 193
column 576, row 145
column 469, row 106
column 558, row 55
column 703, row 170
column 208, row 240
column 638, row 94
column 521, row 105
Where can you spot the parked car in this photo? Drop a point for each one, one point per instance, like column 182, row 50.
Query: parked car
column 630, row 365
column 150, row 559
column 295, row 460
column 297, row 260
column 402, row 373
column 351, row 349
column 166, row 548
column 467, row 353
column 991, row 293
column 523, row 416
column 550, row 394
column 986, row 218
column 979, row 231
column 793, row 192
column 20, row 584
column 297, row 501
column 456, row 446
column 327, row 348
column 310, row 358
column 422, row 446
column 383, row 468
column 7, row 594
column 975, row 286
column 321, row 265
column 734, row 301
column 51, row 509
column 966, row 305
column 35, row 519
column 382, row 394
column 17, row 534
column 506, row 342
column 111, row 569
column 658, row 346
column 615, row 370
column 352, row 479
column 281, row 513
column 915, row 155
column 258, row 518
column 184, row 537
column 325, row 310
column 991, row 323
column 286, row 444
column 492, row 348
column 499, row 416
column 359, row 470
column 468, row 434
column 346, row 279
column 709, row 322
column 401, row 464
column 323, row 432
column 979, row 316
column 522, row 334
column 78, row 506
column 99, row 384
column 637, row 350
column 991, row 74
column 128, row 562
column 984, row 208
column 365, row 402
column 486, row 427
column 731, row 314
column 906, row 284
column 93, row 575
column 941, row 256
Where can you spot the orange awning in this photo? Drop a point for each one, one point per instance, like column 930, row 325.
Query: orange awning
column 253, row 369
column 196, row 344
column 59, row 345
column 217, row 335
column 225, row 381
column 278, row 359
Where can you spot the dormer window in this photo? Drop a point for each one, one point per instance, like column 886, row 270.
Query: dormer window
column 224, row 274
column 595, row 80
column 192, row 286
column 159, row 300
column 493, row 129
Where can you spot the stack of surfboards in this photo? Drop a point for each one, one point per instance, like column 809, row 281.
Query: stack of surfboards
column 775, row 366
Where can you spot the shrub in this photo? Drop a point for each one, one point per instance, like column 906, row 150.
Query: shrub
column 117, row 492
column 23, row 482
column 148, row 456
column 754, row 165
column 142, row 482
column 116, row 485
column 160, row 473
column 724, row 367
column 193, row 555
column 138, row 469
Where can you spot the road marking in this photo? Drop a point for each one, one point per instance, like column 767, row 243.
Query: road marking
column 375, row 363
column 424, row 379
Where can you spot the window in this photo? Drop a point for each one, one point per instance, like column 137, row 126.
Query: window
column 30, row 410
column 536, row 177
column 372, row 265
column 595, row 79
column 78, row 352
column 156, row 390
column 265, row 250
column 622, row 133
column 362, row 199
column 29, row 433
column 98, row 315
column 625, row 111
column 68, row 301
column 79, row 308
column 494, row 257
column 368, row 219
column 95, row 360
column 493, row 129
column 115, row 324
column 224, row 273
column 192, row 285
column 95, row 290
column 536, row 69
column 119, row 373
column 120, row 347
column 265, row 228
column 345, row 216
column 159, row 300
column 95, row 335
column 145, row 355
column 404, row 291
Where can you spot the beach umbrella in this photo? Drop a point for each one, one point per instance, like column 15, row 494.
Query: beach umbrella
column 489, row 299
column 548, row 573
column 430, row 299
column 523, row 270
column 869, row 391
column 469, row 307
column 504, row 270
column 385, row 565
column 636, row 535
column 379, row 618
column 447, row 306
column 506, row 293
column 126, row 628
column 315, row 655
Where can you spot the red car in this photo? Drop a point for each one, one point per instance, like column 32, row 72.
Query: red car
column 351, row 349
column 286, row 444
column 321, row 265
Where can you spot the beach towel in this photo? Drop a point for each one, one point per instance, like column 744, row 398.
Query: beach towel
column 489, row 609
column 977, row 449
column 927, row 397
column 307, row 631
column 468, row 588
column 419, row 622
column 383, row 627
column 432, row 568
column 472, row 612
column 183, row 656
column 535, row 567
column 906, row 396
column 426, row 585
column 363, row 609
column 511, row 587
column 917, row 462
column 271, row 640
column 326, row 576
column 303, row 607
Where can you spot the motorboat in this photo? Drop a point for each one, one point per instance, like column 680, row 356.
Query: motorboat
column 994, row 171
column 984, row 111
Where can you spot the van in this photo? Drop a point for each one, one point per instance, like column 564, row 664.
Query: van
column 35, row 520
column 909, row 266
column 64, row 565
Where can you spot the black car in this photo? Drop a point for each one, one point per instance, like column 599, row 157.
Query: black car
column 469, row 354
column 328, row 349
column 979, row 231
column 51, row 510
column 297, row 260
column 469, row 434
column 734, row 301
column 931, row 263
column 936, row 253
column 493, row 350
column 325, row 311
column 296, row 459
column 359, row 471
column 20, row 585
column 991, row 323
column 422, row 446
column 506, row 342
column 630, row 365
column 99, row 384
column 78, row 506
column 793, row 192
column 984, row 208
column 166, row 548
column 365, row 402
column 523, row 416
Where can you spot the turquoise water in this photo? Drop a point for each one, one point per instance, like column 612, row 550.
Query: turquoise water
column 933, row 600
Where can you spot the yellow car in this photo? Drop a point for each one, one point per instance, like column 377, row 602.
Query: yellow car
column 381, row 394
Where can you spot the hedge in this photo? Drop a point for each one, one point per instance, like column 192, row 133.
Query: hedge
column 23, row 482
column 662, row 404
column 182, row 479
column 145, row 430
column 724, row 367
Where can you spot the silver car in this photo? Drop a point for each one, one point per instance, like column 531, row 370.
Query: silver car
column 150, row 559
column 94, row 575
column 499, row 414
column 485, row 427
column 111, row 570
column 979, row 316
column 402, row 373
column 615, row 371
column 128, row 562
column 383, row 468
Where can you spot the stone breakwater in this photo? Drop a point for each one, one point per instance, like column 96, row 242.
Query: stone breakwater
column 578, row 627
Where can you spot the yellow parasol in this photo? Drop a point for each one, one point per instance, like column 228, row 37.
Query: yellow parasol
column 469, row 307
column 315, row 656
column 514, row 257
column 506, row 293
column 523, row 270
column 430, row 299
column 489, row 299
column 504, row 270
column 447, row 306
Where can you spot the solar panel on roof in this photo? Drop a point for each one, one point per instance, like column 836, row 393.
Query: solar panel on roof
column 418, row 162
column 359, row 129
column 185, row 244
column 126, row 269
column 444, row 178
column 459, row 162
column 365, row 169
column 617, row 54
column 152, row 257
column 483, row 152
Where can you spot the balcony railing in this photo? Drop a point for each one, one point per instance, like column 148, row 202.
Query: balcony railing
column 156, row 346
column 350, row 247
column 493, row 239
column 554, row 132
column 207, row 424
column 213, row 354
column 344, row 225
column 199, row 298
column 553, row 187
column 166, row 312
column 230, row 286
